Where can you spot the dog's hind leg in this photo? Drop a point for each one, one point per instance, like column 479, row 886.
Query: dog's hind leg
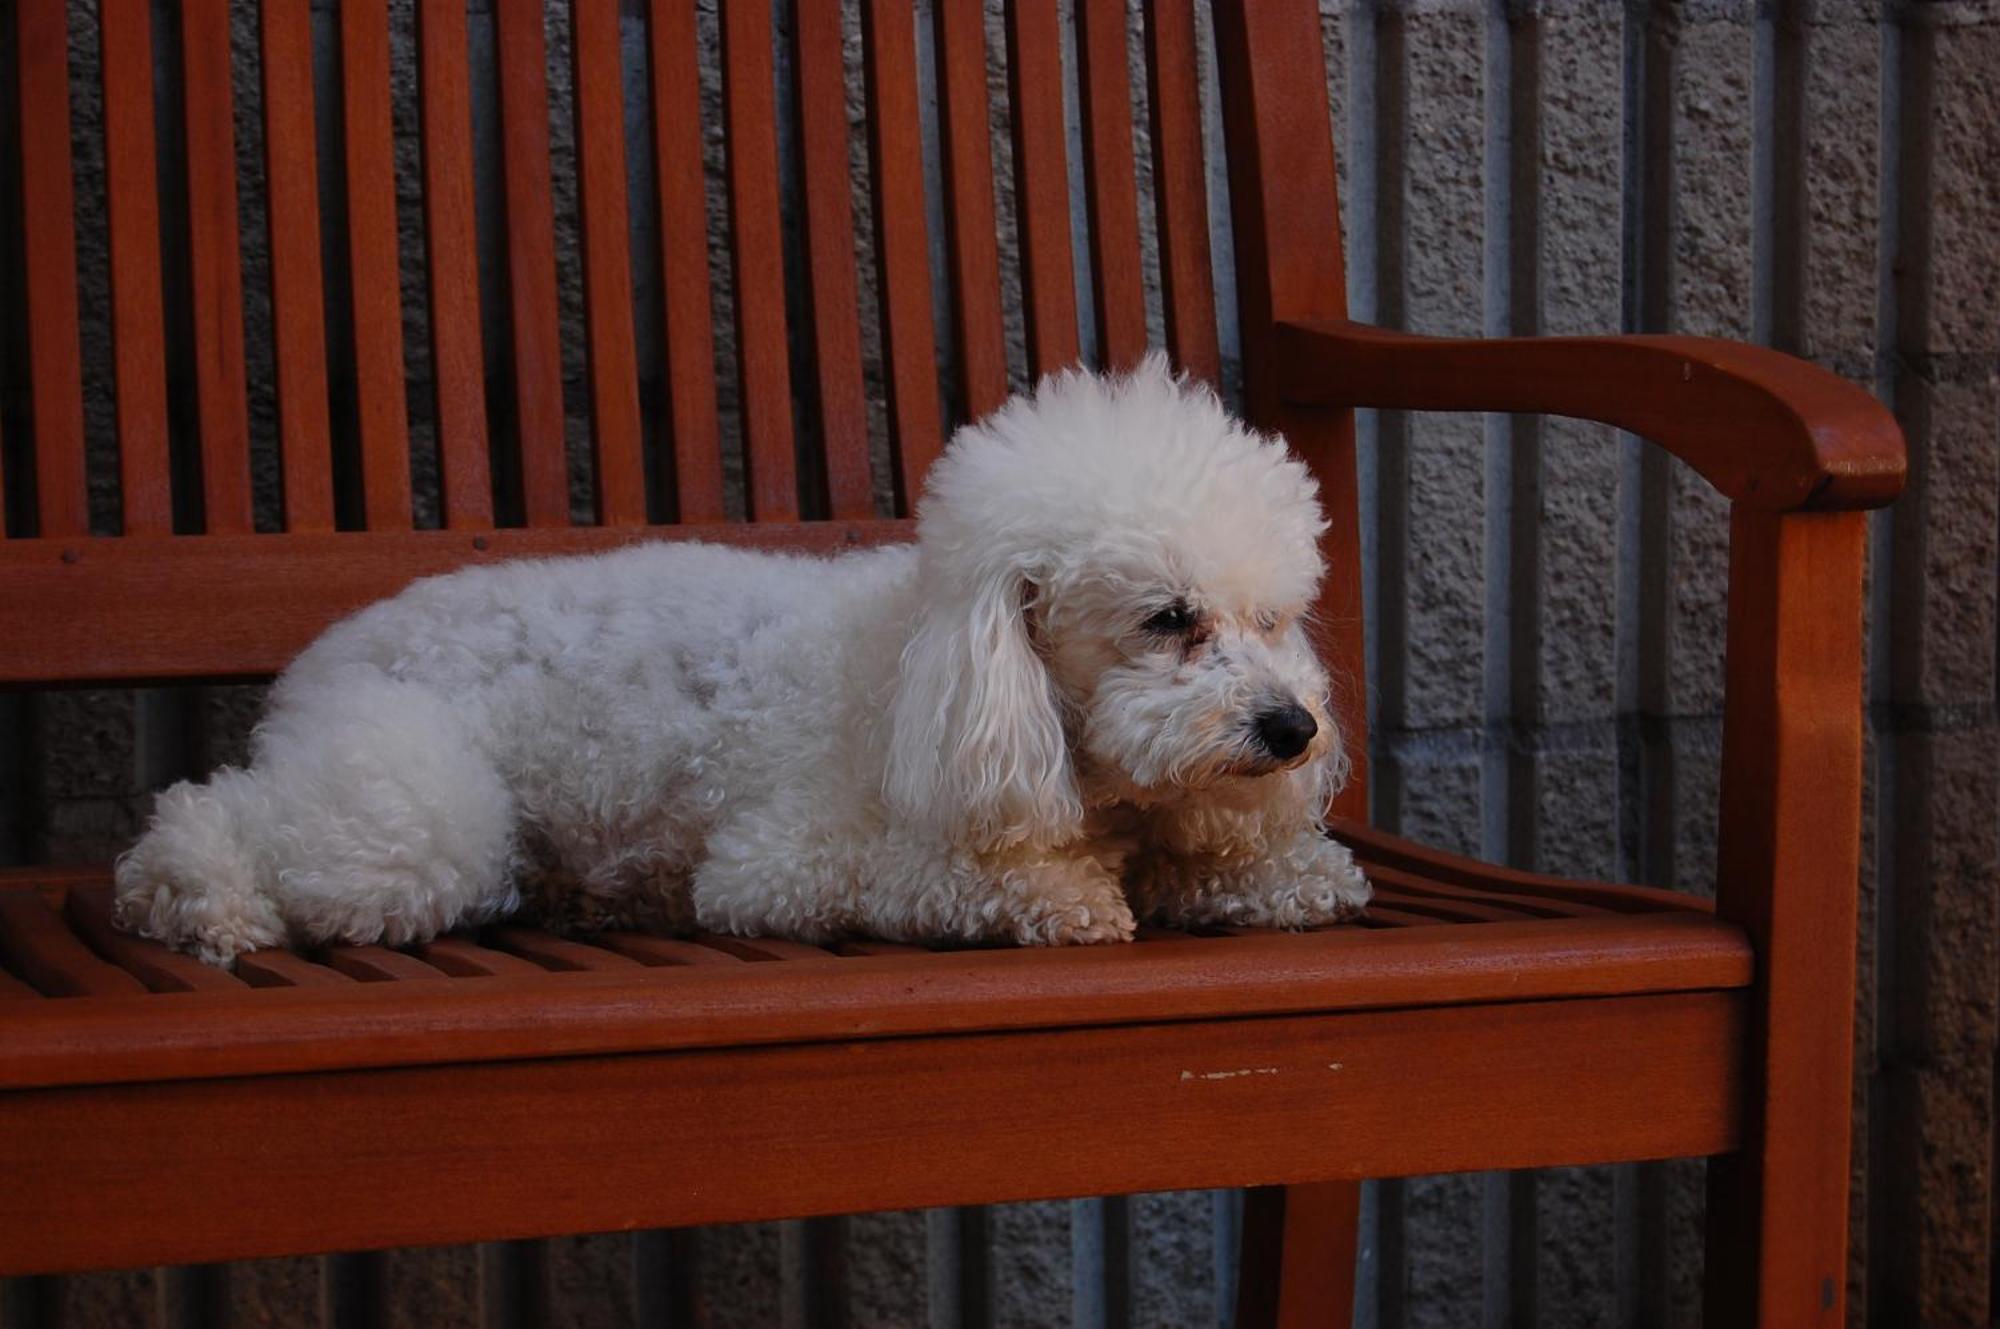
column 367, row 814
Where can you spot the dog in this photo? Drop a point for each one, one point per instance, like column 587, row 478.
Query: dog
column 1084, row 697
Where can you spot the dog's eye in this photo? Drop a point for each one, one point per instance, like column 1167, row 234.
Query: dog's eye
column 1176, row 620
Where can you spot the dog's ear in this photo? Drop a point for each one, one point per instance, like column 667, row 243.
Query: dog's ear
column 977, row 751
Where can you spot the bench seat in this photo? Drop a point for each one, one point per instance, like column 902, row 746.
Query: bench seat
column 175, row 1106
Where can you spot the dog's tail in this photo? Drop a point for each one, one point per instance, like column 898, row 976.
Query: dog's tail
column 191, row 881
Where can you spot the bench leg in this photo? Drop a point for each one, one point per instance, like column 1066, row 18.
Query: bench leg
column 1298, row 1256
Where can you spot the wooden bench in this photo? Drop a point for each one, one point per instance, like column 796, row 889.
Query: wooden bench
column 152, row 1110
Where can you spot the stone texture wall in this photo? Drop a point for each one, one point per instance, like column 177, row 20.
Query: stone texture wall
column 1545, row 606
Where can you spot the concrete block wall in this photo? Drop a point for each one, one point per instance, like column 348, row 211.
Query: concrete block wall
column 1545, row 612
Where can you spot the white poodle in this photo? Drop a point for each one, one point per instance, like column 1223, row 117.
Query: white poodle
column 1085, row 693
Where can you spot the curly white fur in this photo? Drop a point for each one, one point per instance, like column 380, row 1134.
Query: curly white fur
column 1043, row 716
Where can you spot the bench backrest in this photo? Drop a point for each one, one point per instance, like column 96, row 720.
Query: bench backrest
column 138, row 555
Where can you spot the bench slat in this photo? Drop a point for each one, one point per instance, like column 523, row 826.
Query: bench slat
column 48, row 237
column 971, row 219
column 215, row 255
column 138, row 317
column 902, row 243
column 87, row 909
column 380, row 398
column 298, row 312
column 613, row 359
column 557, row 952
column 451, row 251
column 378, row 964
column 282, row 969
column 38, row 946
column 819, row 73
column 759, row 949
column 1180, row 189
column 463, row 958
column 1117, row 269
column 1041, row 183
column 678, row 172
column 757, row 251
column 657, row 951
column 1534, row 906
column 531, row 263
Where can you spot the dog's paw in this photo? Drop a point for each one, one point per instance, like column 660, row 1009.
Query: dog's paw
column 1091, row 923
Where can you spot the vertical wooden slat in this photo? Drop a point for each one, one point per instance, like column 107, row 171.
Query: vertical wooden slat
column 971, row 236
column 531, row 262
column 902, row 242
column 1104, row 82
column 48, row 224
column 382, row 407
column 763, row 365
column 138, row 318
column 452, row 252
column 298, row 315
column 819, row 70
column 1180, row 190
column 215, row 267
column 1041, row 183
column 596, row 65
column 678, row 173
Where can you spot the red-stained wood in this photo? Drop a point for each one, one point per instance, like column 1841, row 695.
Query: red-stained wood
column 377, row 964
column 902, row 243
column 282, row 969
column 1285, row 216
column 1293, row 1275
column 820, row 83
column 557, row 953
column 531, row 263
column 1788, row 868
column 870, row 1125
column 1766, row 429
column 1180, row 189
column 138, row 317
column 380, row 397
column 1041, row 183
column 763, row 364
column 971, row 221
column 657, row 951
column 767, row 948
column 451, row 253
column 1375, row 847
column 13, row 989
column 462, row 958
column 1532, row 906
column 1117, row 275
column 298, row 311
column 1445, row 909
column 866, row 948
column 679, row 175
column 48, row 242
column 243, row 606
column 36, row 944
column 598, row 84
column 637, row 1009
column 215, row 267
column 87, row 910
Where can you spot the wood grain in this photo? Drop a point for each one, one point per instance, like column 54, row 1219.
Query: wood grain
column 451, row 255
column 1766, row 429
column 138, row 314
column 1180, row 188
column 635, row 1009
column 971, row 222
column 298, row 310
column 1117, row 274
column 1041, row 183
column 882, row 1124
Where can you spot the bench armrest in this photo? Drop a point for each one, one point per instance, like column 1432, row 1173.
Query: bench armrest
column 1766, row 429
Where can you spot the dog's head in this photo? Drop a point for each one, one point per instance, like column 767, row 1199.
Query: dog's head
column 1115, row 575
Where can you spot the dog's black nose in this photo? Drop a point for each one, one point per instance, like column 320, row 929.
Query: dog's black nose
column 1285, row 730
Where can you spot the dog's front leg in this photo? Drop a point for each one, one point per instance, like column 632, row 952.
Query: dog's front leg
column 1299, row 882
column 919, row 891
